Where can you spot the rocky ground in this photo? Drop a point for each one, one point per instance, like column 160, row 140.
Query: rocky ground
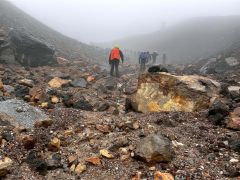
column 77, row 126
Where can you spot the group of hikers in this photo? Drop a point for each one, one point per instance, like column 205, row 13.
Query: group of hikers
column 144, row 57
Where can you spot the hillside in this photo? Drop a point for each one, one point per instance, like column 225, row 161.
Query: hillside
column 12, row 17
column 189, row 40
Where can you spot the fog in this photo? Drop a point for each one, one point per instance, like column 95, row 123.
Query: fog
column 106, row 20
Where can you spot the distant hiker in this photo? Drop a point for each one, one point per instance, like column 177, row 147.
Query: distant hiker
column 143, row 59
column 164, row 57
column 114, row 59
column 149, row 57
column 154, row 57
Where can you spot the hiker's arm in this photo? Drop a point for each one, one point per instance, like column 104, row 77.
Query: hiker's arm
column 122, row 57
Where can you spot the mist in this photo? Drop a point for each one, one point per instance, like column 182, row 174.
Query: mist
column 106, row 20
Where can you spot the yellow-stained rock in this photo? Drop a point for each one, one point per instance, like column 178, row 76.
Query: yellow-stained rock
column 55, row 99
column 163, row 176
column 80, row 168
column 58, row 82
column 44, row 105
column 166, row 92
column 4, row 165
column 1, row 85
column 54, row 145
column 106, row 153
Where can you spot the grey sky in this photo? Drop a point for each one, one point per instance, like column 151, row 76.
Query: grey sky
column 105, row 20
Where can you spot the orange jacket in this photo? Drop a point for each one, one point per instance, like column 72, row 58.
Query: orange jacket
column 115, row 54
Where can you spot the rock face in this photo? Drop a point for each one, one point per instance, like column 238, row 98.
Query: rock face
column 30, row 51
column 23, row 113
column 165, row 92
column 154, row 148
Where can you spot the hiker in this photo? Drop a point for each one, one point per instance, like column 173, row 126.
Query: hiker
column 164, row 57
column 143, row 59
column 154, row 57
column 114, row 59
column 149, row 57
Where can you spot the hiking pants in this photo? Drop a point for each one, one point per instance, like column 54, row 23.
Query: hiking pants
column 114, row 65
column 142, row 65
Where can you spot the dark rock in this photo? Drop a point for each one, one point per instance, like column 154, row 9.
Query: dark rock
column 232, row 171
column 156, row 69
column 28, row 142
column 67, row 100
column 235, row 145
column 110, row 84
column 103, row 106
column 154, row 148
column 7, row 135
column 30, row 51
column 79, row 83
column 54, row 162
column 217, row 112
column 83, row 105
column 36, row 163
column 21, row 91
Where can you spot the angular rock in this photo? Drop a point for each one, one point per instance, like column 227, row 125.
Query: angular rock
column 110, row 84
column 72, row 159
column 163, row 176
column 217, row 112
column 28, row 142
column 21, row 91
column 90, row 79
column 94, row 160
column 55, row 99
column 8, row 89
column 36, row 163
column 26, row 82
column 6, row 120
column 106, row 153
column 1, row 85
column 30, row 51
column 154, row 148
column 37, row 94
column 22, row 112
column 58, row 82
column 166, row 92
column 4, row 165
column 103, row 106
column 62, row 61
column 157, row 69
column 54, row 162
column 103, row 128
column 83, row 105
column 79, row 83
column 80, row 168
column 234, row 120
column 54, row 145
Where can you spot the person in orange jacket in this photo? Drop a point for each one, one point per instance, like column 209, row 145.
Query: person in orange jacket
column 114, row 59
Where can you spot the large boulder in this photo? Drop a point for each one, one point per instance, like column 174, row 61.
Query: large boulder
column 166, row 92
column 154, row 148
column 23, row 113
column 30, row 51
